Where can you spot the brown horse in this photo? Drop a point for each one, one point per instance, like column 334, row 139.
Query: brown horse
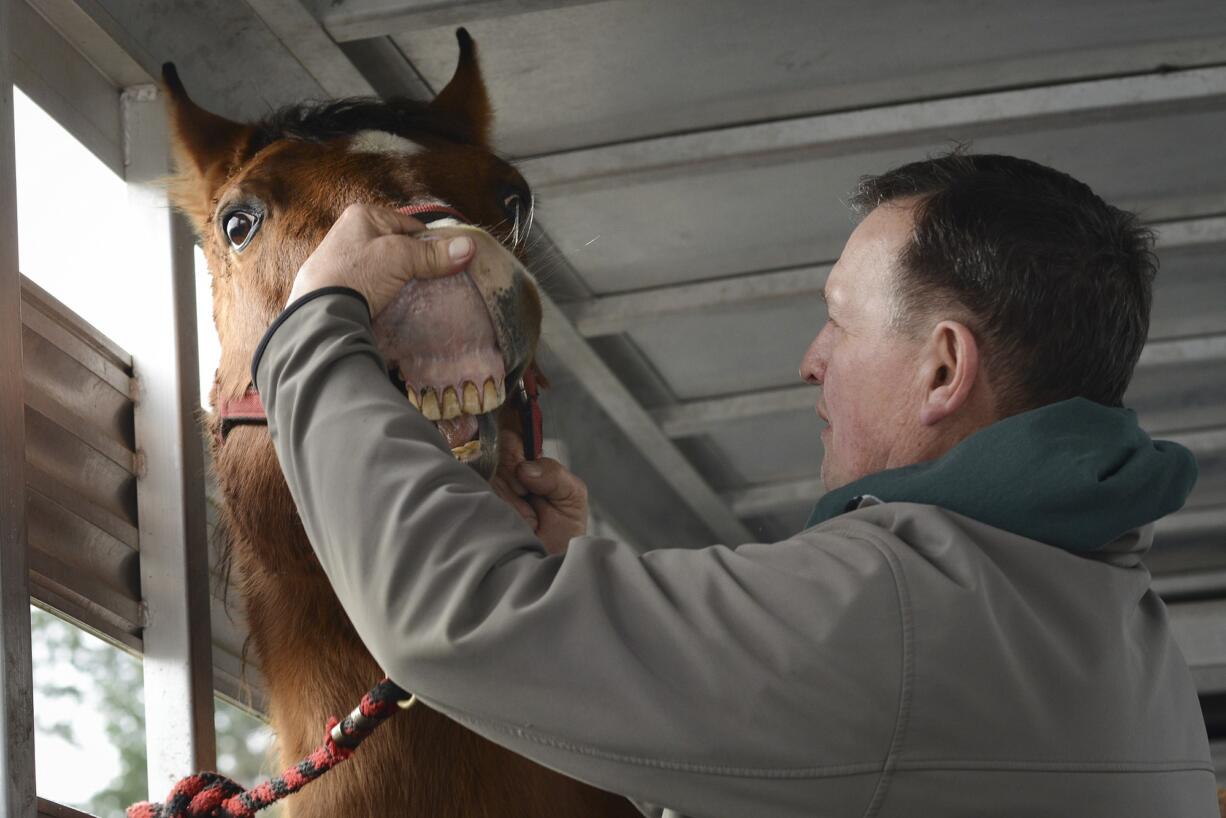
column 261, row 197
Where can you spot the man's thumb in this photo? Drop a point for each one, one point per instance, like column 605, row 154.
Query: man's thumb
column 547, row 478
column 441, row 255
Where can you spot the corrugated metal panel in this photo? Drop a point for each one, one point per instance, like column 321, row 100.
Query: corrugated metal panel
column 80, row 469
column 82, row 516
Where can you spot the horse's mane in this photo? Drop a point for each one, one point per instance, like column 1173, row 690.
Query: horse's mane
column 321, row 121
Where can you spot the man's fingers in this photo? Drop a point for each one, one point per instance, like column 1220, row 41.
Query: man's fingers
column 434, row 254
column 515, row 501
column 550, row 479
column 510, row 455
column 378, row 220
column 427, row 256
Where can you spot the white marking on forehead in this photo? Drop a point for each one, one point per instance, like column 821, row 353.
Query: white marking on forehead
column 383, row 142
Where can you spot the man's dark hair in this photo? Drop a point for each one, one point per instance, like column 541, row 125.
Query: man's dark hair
column 1055, row 282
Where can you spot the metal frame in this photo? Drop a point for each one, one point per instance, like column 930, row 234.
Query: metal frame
column 17, row 787
column 78, row 556
column 170, row 480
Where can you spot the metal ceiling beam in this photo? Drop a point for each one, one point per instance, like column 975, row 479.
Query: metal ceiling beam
column 359, row 19
column 1192, row 523
column 617, row 313
column 304, row 37
column 1204, row 443
column 611, row 314
column 1197, row 628
column 878, row 128
column 1190, row 585
column 696, row 417
column 1200, row 349
column 576, row 354
column 1206, row 230
column 769, row 498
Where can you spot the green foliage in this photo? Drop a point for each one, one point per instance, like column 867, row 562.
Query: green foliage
column 74, row 670
column 72, row 666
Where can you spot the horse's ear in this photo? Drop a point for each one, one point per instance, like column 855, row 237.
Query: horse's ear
column 206, row 146
column 463, row 102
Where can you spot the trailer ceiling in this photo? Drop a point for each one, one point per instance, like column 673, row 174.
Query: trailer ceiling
column 691, row 160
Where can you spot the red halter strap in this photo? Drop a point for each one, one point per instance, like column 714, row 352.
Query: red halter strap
column 249, row 411
column 530, row 414
column 244, row 411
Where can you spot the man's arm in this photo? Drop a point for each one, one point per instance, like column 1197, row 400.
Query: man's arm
column 715, row 680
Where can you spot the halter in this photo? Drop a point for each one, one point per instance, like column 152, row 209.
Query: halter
column 248, row 410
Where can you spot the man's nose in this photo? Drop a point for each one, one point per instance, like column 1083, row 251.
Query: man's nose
column 813, row 366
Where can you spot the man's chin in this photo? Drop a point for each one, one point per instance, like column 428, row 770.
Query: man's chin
column 829, row 483
column 834, row 478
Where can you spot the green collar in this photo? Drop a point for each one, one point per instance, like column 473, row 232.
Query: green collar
column 1074, row 474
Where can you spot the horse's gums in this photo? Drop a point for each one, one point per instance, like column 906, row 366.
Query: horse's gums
column 297, row 172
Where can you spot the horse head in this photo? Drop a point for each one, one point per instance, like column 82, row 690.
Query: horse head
column 262, row 195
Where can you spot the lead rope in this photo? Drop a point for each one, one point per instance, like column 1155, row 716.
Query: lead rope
column 212, row 795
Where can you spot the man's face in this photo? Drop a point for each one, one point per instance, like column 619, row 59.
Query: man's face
column 868, row 372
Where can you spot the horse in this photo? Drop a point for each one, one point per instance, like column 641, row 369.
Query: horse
column 260, row 197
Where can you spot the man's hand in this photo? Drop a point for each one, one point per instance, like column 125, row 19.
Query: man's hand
column 552, row 499
column 375, row 250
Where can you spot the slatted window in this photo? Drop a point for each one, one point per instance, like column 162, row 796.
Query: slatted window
column 107, row 512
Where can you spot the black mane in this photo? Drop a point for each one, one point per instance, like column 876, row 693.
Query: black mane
column 320, row 121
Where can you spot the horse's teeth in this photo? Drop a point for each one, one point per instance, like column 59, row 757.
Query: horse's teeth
column 451, row 403
column 429, row 405
column 468, row 451
column 490, row 397
column 472, row 399
column 413, row 399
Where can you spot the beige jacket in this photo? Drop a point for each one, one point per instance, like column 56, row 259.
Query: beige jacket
column 898, row 660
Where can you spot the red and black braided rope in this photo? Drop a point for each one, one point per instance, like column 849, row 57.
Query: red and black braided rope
column 212, row 795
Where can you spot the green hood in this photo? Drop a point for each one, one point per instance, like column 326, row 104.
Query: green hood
column 1075, row 474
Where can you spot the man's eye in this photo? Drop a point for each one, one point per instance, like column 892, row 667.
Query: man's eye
column 240, row 226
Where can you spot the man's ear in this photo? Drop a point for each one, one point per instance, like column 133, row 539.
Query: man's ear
column 463, row 103
column 206, row 148
column 949, row 371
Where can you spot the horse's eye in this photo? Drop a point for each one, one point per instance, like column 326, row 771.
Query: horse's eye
column 240, row 227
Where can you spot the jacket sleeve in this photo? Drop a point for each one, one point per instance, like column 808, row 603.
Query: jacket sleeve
column 759, row 680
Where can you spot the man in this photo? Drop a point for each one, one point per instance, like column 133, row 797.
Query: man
column 965, row 629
